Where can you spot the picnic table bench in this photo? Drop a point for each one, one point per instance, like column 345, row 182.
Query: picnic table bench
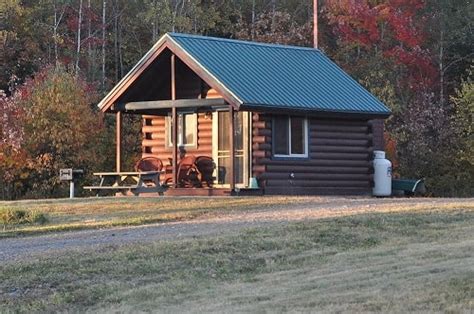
column 132, row 182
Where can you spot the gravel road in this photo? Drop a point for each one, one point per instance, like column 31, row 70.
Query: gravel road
column 56, row 244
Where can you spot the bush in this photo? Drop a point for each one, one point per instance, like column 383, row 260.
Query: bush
column 17, row 216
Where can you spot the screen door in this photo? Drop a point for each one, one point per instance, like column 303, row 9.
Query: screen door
column 221, row 148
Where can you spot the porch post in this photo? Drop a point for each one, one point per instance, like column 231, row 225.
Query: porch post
column 174, row 122
column 118, row 139
column 232, row 148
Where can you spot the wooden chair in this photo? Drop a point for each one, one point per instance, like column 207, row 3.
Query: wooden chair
column 206, row 167
column 149, row 164
column 189, row 175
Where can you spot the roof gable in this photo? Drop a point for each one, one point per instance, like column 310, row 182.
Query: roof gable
column 265, row 76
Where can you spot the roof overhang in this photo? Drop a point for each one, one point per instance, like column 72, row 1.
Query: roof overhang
column 315, row 113
column 166, row 42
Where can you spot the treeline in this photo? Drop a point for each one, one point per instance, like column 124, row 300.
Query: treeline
column 58, row 57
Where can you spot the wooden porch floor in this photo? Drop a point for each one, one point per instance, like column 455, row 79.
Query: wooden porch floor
column 205, row 192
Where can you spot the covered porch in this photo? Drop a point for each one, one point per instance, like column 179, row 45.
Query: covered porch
column 201, row 144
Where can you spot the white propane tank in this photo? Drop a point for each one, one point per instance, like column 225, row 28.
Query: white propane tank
column 382, row 175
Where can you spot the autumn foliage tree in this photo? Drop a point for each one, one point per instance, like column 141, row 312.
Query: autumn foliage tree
column 386, row 36
column 12, row 155
column 388, row 46
column 59, row 129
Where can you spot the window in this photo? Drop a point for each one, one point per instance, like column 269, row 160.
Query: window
column 187, row 129
column 290, row 136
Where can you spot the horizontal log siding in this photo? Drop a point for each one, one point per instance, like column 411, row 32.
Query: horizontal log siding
column 188, row 86
column 154, row 138
column 339, row 159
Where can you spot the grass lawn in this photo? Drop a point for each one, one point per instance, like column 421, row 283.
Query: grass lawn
column 421, row 260
column 93, row 213
column 99, row 213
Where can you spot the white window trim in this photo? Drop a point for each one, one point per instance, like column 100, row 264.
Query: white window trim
column 306, row 140
column 169, row 131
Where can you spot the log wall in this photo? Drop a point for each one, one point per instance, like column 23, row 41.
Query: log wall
column 188, row 86
column 339, row 159
column 154, row 138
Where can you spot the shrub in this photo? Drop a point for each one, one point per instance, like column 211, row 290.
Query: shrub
column 17, row 216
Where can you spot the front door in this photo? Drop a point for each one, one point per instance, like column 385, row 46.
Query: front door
column 221, row 148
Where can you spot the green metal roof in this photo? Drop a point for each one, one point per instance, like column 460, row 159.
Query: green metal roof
column 269, row 76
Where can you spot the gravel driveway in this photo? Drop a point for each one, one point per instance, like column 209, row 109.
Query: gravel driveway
column 13, row 249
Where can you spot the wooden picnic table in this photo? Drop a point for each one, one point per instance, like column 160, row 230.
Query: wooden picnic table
column 134, row 182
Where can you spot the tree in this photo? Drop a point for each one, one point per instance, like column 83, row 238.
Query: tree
column 276, row 27
column 12, row 156
column 61, row 130
column 391, row 29
column 464, row 120
column 19, row 49
column 426, row 143
column 451, row 35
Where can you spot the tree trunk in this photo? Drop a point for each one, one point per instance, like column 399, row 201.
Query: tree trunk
column 441, row 66
column 315, row 24
column 175, row 12
column 89, row 43
column 57, row 22
column 273, row 4
column 155, row 23
column 120, row 49
column 104, row 4
column 55, row 35
column 78, row 50
column 116, row 52
column 252, row 35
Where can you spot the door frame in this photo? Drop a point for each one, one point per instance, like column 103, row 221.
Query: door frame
column 247, row 140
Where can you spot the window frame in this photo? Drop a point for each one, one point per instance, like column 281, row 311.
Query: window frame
column 169, row 131
column 290, row 155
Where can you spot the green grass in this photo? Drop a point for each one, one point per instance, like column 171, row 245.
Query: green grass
column 408, row 261
column 13, row 217
column 94, row 213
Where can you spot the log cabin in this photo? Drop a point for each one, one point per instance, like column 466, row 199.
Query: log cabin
column 286, row 116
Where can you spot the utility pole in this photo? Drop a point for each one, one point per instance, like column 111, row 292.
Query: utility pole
column 315, row 23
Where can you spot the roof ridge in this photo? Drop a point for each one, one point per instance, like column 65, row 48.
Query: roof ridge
column 246, row 42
